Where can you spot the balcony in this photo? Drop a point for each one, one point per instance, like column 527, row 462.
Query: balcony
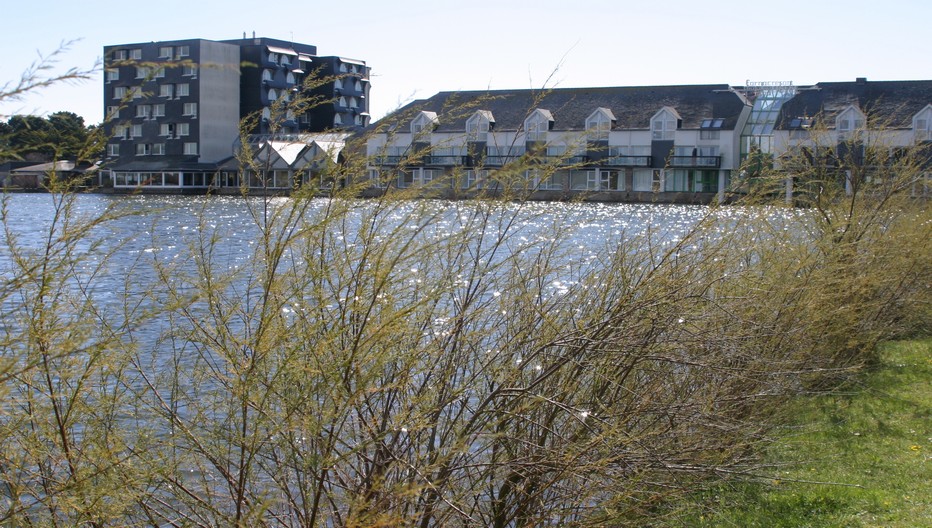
column 498, row 161
column 626, row 161
column 388, row 160
column 447, row 161
column 712, row 162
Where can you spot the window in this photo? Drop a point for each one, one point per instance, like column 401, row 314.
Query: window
column 166, row 90
column 143, row 111
column 113, row 112
column 182, row 90
column 273, row 95
column 113, row 149
column 159, row 73
column 642, row 180
column 189, row 109
column 273, row 57
column 167, row 129
column 113, row 74
column 142, row 72
column 635, row 155
column 352, row 102
column 135, row 54
column 136, row 131
column 343, row 104
column 337, row 120
column 182, row 129
column 183, row 51
column 663, row 125
column 266, row 75
column 711, row 129
column 478, row 126
column 849, row 121
column 119, row 92
column 475, row 179
column 406, row 178
column 137, row 92
column 190, row 149
column 599, row 124
column 289, row 78
column 358, row 86
column 922, row 124
column 189, row 70
column 143, row 149
column 158, row 149
column 165, row 52
column 120, row 55
column 119, row 131
column 158, row 110
column 537, row 125
column 337, row 84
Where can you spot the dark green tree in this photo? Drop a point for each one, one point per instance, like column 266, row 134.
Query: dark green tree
column 61, row 135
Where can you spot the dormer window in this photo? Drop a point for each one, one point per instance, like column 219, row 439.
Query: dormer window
column 849, row 121
column 599, row 124
column 664, row 124
column 711, row 128
column 424, row 122
column 799, row 127
column 537, row 125
column 479, row 125
column 922, row 124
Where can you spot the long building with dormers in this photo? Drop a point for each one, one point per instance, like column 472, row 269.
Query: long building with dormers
column 652, row 143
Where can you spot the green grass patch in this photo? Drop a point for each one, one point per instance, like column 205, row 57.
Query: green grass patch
column 859, row 457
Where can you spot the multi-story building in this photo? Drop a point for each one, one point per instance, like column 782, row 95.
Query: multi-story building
column 651, row 143
column 671, row 143
column 861, row 125
column 175, row 108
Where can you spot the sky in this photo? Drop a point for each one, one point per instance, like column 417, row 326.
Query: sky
column 417, row 48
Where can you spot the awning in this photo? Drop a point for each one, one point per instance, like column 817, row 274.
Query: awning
column 305, row 58
column 282, row 51
column 352, row 61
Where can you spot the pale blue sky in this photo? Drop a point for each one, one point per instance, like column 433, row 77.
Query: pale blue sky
column 419, row 47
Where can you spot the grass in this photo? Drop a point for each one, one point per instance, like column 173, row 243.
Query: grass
column 869, row 446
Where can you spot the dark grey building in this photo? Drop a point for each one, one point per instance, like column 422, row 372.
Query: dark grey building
column 174, row 109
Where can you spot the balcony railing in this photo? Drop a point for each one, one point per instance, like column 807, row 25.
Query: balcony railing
column 446, row 160
column 497, row 161
column 696, row 161
column 626, row 161
column 388, row 160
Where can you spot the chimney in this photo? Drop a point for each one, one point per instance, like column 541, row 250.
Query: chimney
column 861, row 80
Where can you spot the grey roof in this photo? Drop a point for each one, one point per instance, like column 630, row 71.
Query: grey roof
column 892, row 103
column 633, row 106
column 164, row 164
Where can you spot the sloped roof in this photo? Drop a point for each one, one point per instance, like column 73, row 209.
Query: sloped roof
column 56, row 166
column 632, row 106
column 167, row 163
column 892, row 103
